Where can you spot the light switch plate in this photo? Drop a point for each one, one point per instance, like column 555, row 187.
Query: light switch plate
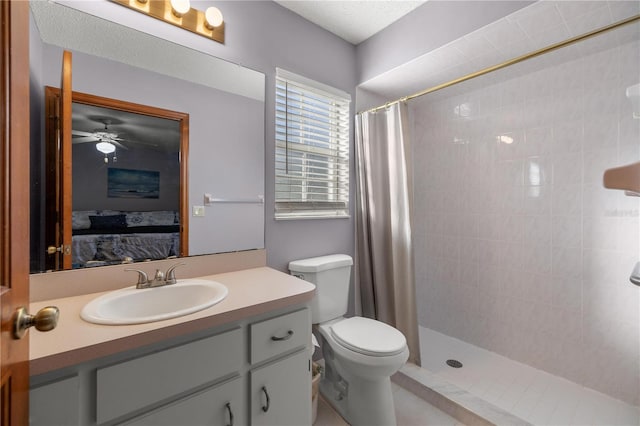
column 198, row 211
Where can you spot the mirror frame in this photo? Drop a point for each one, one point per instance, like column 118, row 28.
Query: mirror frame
column 51, row 93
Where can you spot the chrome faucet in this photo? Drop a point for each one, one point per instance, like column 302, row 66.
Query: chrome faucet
column 171, row 273
column 160, row 279
column 143, row 280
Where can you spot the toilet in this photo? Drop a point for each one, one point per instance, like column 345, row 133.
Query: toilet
column 360, row 354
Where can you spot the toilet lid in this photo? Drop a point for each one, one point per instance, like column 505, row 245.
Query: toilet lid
column 368, row 337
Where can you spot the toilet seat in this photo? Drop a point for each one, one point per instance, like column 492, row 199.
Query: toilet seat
column 368, row 337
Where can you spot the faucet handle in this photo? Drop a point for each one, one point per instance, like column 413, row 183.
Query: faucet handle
column 143, row 280
column 171, row 273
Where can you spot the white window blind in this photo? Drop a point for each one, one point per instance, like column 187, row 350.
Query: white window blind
column 312, row 149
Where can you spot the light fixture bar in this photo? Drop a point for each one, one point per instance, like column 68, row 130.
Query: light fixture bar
column 193, row 20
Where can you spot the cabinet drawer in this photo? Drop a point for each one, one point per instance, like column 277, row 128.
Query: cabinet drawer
column 132, row 385
column 208, row 407
column 277, row 335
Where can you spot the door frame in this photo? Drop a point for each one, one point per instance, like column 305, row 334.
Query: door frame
column 14, row 209
column 58, row 178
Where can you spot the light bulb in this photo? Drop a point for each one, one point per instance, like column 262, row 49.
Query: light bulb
column 213, row 17
column 105, row 147
column 180, row 7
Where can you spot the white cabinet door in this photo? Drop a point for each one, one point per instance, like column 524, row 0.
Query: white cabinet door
column 221, row 405
column 55, row 403
column 281, row 392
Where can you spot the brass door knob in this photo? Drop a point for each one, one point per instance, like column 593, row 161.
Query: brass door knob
column 66, row 250
column 53, row 249
column 45, row 320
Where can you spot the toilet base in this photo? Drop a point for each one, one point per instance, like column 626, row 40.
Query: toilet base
column 355, row 405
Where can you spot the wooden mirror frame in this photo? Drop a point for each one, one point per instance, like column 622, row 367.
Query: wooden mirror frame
column 53, row 164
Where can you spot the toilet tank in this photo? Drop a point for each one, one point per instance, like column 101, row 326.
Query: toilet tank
column 331, row 275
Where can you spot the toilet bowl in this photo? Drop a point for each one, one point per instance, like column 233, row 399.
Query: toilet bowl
column 360, row 354
column 358, row 371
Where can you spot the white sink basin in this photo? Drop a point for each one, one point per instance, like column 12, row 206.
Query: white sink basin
column 135, row 306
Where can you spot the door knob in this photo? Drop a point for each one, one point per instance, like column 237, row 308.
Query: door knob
column 62, row 249
column 45, row 320
column 53, row 249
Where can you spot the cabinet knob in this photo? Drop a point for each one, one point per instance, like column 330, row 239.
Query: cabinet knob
column 45, row 320
column 265, row 408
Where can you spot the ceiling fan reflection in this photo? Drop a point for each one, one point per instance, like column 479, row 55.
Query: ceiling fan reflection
column 106, row 140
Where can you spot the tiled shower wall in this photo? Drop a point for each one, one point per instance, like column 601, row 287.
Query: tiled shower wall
column 519, row 249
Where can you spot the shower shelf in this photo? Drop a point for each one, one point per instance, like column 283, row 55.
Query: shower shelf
column 626, row 178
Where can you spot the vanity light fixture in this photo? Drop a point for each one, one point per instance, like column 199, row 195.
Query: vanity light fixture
column 180, row 7
column 209, row 24
column 213, row 17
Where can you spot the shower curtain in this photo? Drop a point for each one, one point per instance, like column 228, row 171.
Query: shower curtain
column 384, row 255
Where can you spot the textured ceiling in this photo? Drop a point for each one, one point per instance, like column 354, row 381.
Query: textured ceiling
column 134, row 130
column 536, row 26
column 354, row 21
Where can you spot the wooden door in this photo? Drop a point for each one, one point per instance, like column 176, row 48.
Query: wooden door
column 58, row 110
column 14, row 209
column 65, row 195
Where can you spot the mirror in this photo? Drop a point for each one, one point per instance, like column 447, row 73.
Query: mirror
column 224, row 102
column 127, row 199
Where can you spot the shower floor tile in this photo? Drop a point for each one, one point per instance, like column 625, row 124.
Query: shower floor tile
column 531, row 394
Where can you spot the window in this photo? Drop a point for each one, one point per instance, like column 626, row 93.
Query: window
column 312, row 149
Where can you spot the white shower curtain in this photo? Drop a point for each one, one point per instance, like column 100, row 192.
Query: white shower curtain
column 384, row 256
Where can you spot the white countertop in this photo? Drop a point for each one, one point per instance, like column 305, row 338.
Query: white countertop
column 251, row 292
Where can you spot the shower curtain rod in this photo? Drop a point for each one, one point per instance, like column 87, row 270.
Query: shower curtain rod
column 511, row 62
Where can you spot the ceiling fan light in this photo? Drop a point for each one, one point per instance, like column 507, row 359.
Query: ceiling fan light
column 105, row 147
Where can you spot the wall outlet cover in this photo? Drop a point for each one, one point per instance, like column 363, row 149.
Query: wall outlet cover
column 198, row 211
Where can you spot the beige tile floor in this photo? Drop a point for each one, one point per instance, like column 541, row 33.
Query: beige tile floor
column 410, row 411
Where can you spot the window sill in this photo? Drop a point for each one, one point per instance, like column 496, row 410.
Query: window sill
column 284, row 218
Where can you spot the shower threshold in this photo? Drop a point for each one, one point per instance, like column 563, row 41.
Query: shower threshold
column 456, row 402
column 493, row 389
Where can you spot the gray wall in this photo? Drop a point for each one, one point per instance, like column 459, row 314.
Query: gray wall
column 90, row 179
column 263, row 36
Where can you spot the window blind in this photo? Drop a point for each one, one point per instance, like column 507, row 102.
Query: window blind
column 312, row 149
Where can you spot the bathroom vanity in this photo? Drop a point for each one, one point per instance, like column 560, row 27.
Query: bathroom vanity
column 243, row 361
